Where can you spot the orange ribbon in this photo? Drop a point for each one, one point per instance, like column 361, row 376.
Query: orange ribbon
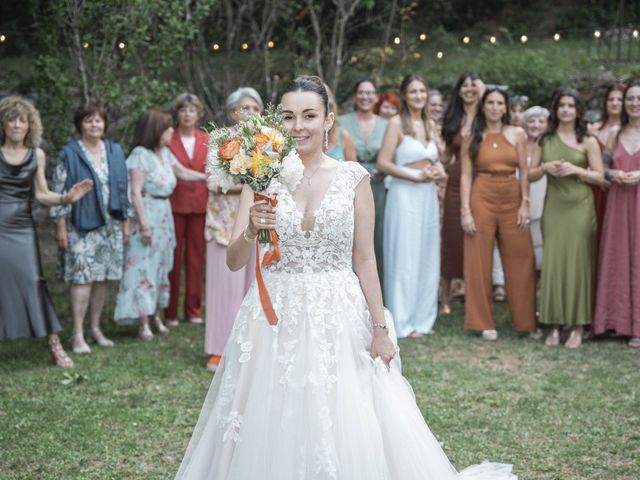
column 269, row 258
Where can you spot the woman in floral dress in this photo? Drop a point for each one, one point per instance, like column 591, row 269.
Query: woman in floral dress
column 144, row 288
column 91, row 235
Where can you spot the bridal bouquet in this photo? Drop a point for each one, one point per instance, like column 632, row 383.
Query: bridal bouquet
column 254, row 152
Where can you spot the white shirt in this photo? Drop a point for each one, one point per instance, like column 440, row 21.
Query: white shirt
column 189, row 144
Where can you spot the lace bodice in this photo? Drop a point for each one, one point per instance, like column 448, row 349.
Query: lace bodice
column 328, row 246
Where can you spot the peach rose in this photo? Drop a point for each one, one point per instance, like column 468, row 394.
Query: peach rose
column 229, row 149
column 261, row 140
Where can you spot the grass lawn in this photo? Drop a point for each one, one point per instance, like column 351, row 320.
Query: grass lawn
column 127, row 412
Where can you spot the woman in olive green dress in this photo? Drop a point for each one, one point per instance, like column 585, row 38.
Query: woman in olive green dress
column 571, row 160
column 367, row 131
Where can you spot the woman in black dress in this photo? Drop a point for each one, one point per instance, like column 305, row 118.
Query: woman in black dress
column 26, row 309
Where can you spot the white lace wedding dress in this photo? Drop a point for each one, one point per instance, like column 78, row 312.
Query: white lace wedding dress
column 304, row 400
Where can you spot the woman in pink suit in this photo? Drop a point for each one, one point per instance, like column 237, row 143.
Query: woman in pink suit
column 189, row 205
column 226, row 289
column 617, row 306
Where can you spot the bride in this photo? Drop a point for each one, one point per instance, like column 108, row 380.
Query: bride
column 320, row 395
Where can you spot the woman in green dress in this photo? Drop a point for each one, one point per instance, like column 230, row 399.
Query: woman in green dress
column 367, row 131
column 571, row 160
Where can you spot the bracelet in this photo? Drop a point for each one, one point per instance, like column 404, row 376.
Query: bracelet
column 525, row 198
column 380, row 325
column 246, row 237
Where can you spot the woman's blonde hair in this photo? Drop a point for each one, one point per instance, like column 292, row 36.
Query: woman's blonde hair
column 15, row 106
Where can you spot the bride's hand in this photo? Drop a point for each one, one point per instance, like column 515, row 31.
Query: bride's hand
column 262, row 216
column 382, row 346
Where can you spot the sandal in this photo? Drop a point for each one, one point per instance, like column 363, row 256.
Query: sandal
column 144, row 332
column 634, row 342
column 499, row 293
column 58, row 356
column 490, row 335
column 553, row 339
column 97, row 336
column 78, row 344
column 160, row 327
column 575, row 339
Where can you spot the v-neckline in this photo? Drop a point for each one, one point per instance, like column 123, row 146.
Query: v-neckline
column 315, row 211
column 627, row 150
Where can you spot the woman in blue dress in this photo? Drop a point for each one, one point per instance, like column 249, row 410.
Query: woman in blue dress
column 410, row 152
column 144, row 288
column 338, row 143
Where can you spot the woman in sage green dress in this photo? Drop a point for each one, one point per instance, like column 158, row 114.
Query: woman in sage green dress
column 367, row 131
column 571, row 160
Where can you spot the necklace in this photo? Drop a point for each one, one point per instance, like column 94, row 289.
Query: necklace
column 312, row 175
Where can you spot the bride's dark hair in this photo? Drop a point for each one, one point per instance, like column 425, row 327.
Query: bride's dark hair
column 310, row 83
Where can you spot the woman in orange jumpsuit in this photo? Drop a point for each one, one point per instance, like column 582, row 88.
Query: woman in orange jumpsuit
column 496, row 206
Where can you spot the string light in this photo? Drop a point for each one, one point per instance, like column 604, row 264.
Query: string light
column 417, row 55
column 597, row 34
column 85, row 45
column 215, row 46
column 271, row 44
column 396, row 40
column 556, row 37
column 353, row 59
column 492, row 39
column 121, row 45
column 423, row 37
column 524, row 39
column 245, row 46
column 466, row 40
column 635, row 34
column 439, row 55
column 3, row 38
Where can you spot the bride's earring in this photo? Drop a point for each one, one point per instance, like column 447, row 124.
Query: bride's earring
column 326, row 139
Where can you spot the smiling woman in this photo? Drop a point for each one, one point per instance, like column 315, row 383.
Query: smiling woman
column 367, row 131
column 496, row 205
column 324, row 384
column 571, row 160
column 410, row 155
column 92, row 234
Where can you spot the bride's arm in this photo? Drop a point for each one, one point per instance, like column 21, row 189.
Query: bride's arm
column 364, row 263
column 246, row 228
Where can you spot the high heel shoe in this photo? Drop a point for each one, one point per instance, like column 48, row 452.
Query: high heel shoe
column 144, row 332
column 58, row 356
column 160, row 327
column 78, row 344
column 97, row 336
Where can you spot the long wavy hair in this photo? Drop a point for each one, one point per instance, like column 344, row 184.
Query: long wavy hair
column 405, row 114
column 480, row 122
column 624, row 116
column 614, row 87
column 579, row 125
column 454, row 114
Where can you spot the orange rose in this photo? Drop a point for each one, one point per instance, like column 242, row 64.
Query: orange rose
column 261, row 140
column 229, row 149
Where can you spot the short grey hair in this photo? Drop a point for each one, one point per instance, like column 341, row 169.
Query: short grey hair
column 234, row 99
column 535, row 111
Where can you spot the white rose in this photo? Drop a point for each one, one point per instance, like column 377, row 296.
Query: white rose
column 291, row 171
